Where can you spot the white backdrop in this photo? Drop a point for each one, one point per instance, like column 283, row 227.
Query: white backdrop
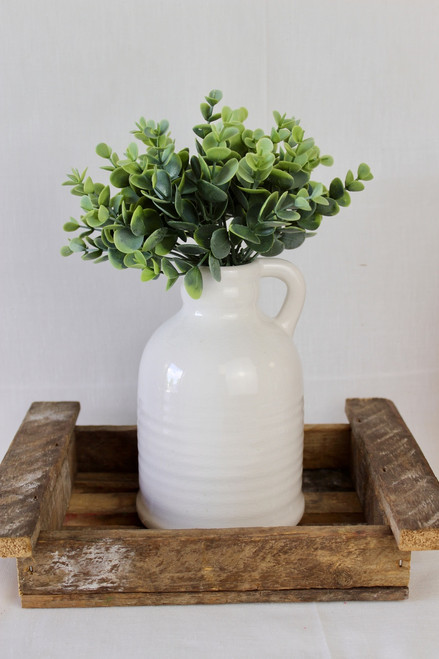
column 363, row 78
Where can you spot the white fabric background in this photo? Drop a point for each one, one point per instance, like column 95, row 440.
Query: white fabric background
column 363, row 78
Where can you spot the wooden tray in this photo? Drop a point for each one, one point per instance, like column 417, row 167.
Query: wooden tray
column 67, row 512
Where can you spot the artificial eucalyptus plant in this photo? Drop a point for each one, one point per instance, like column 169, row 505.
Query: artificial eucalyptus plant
column 246, row 193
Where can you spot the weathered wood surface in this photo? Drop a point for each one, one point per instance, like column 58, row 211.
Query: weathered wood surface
column 393, row 593
column 281, row 558
column 114, row 448
column 106, row 448
column 394, row 479
column 326, row 446
column 36, row 475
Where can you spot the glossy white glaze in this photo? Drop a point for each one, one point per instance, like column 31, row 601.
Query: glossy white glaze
column 220, row 408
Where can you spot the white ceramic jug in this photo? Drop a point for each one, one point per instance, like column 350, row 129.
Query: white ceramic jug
column 220, row 407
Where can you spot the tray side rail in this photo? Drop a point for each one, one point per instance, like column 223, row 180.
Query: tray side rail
column 36, row 476
column 393, row 478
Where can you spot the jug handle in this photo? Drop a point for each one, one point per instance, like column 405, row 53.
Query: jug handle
column 288, row 273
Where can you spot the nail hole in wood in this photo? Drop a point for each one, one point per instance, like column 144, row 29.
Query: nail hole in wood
column 384, row 468
column 400, row 563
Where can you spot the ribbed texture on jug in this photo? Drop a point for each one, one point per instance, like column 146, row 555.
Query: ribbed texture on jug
column 220, row 414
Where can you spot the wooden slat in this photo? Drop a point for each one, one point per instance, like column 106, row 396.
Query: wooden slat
column 326, row 446
column 106, row 482
column 102, row 520
column 212, row 597
column 283, row 558
column 327, row 480
column 106, row 448
column 398, row 474
column 35, row 476
column 125, row 502
column 114, row 448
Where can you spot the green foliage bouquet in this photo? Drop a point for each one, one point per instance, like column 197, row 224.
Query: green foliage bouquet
column 246, row 193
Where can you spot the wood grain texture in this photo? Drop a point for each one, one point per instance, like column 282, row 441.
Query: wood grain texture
column 106, row 448
column 254, row 559
column 114, row 448
column 36, row 475
column 382, row 594
column 326, row 446
column 395, row 473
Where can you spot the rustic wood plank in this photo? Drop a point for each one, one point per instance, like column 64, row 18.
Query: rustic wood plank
column 326, row 446
column 332, row 519
column 100, row 502
column 125, row 502
column 327, row 480
column 114, row 448
column 106, row 448
column 399, row 474
column 35, row 476
column 211, row 597
column 86, row 482
column 102, row 521
column 213, row 560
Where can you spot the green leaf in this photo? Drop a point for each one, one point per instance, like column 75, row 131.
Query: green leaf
column 89, row 187
column 297, row 133
column 86, row 203
column 203, row 234
column 220, row 244
column 206, row 111
column 277, row 248
column 345, row 199
column 364, row 173
column 147, row 274
column 281, row 178
column 161, row 182
column 104, row 196
column 214, row 267
column 71, row 226
column 269, row 206
column 245, row 233
column 311, row 223
column 77, row 245
column 133, row 151
column 218, row 153
column 192, row 250
column 193, row 283
column 355, row 186
column 154, row 239
column 215, row 95
column 293, row 239
column 211, row 192
column 288, row 215
column 226, row 172
column 116, row 258
column 119, row 178
column 327, row 161
column 302, row 203
column 138, row 224
column 126, row 242
column 103, row 214
column 66, row 251
column 349, row 178
column 166, row 245
column 168, row 269
column 103, row 150
column 336, row 189
column 92, row 255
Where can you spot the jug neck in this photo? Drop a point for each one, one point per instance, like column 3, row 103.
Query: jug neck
column 236, row 293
